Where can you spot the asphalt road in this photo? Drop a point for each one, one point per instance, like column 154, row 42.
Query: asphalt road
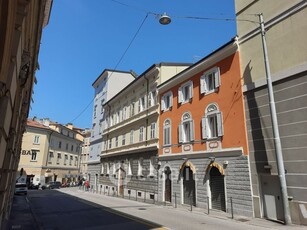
column 55, row 210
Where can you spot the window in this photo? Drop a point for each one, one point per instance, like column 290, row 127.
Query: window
column 50, row 156
column 72, row 148
column 113, row 168
column 152, row 100
column 101, row 105
column 186, row 129
column 51, row 142
column 116, row 141
column 36, row 140
column 153, row 130
column 108, row 168
column 142, row 106
column 212, row 123
column 58, row 158
column 140, row 167
column 129, row 167
column 151, row 167
column 141, row 136
column 132, row 108
column 131, row 136
column 124, row 113
column 117, row 117
column 167, row 132
column 76, row 161
column 100, row 126
column 124, row 139
column 65, row 159
column 34, row 155
column 185, row 92
column 102, row 169
column 110, row 143
column 71, row 160
column 95, row 111
column 210, row 81
column 167, row 101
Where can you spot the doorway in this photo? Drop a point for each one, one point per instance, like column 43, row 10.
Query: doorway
column 121, row 178
column 189, row 194
column 217, row 188
column 271, row 198
column 168, row 185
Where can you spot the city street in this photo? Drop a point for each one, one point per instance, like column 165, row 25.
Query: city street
column 52, row 209
column 70, row 208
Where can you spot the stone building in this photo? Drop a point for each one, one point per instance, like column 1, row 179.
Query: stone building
column 286, row 32
column 50, row 152
column 21, row 25
column 203, row 141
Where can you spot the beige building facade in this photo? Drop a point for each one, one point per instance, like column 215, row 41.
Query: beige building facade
column 50, row 152
column 21, row 25
column 131, row 136
column 286, row 32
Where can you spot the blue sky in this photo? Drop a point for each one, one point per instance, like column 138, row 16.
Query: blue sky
column 84, row 37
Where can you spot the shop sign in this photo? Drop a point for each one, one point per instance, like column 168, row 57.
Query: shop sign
column 26, row 152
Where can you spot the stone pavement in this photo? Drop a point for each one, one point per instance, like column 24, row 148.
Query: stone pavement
column 176, row 218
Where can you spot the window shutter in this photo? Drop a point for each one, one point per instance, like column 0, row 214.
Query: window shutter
column 220, row 130
column 217, row 78
column 203, row 84
column 191, row 90
column 180, row 128
column 180, row 96
column 192, row 130
column 204, row 127
column 163, row 103
column 171, row 100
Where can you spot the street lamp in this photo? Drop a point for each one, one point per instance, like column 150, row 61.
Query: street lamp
column 165, row 20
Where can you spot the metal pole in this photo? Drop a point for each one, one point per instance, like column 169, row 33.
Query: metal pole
column 277, row 143
column 191, row 203
column 175, row 201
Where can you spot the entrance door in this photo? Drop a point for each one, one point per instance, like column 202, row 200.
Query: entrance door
column 271, row 195
column 217, row 189
column 168, row 185
column 189, row 196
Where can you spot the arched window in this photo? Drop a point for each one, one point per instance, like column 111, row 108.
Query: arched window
column 212, row 123
column 186, row 129
column 167, row 132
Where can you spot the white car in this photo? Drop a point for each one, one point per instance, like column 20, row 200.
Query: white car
column 21, row 188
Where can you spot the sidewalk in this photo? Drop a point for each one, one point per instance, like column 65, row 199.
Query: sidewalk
column 176, row 218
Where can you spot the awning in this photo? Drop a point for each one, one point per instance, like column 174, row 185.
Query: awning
column 188, row 164
column 219, row 167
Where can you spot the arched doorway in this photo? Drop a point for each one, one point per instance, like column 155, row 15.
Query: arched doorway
column 168, row 185
column 189, row 193
column 217, row 188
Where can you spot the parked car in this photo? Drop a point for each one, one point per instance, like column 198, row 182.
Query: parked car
column 21, row 188
column 52, row 185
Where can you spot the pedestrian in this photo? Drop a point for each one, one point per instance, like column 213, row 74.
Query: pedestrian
column 87, row 185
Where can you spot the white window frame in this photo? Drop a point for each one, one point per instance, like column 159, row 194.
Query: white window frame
column 131, row 136
column 129, row 170
column 71, row 159
column 50, row 156
column 152, row 99
column 209, row 86
column 153, row 128
column 102, row 169
column 132, row 108
column 34, row 153
column 167, row 101
column 212, row 130
column 65, row 159
column 59, row 156
column 140, row 167
column 141, row 133
column 116, row 141
column 36, row 140
column 108, row 168
column 186, row 129
column 142, row 104
column 185, row 95
column 167, row 129
column 152, row 167
column 76, row 161
column 110, row 143
column 123, row 139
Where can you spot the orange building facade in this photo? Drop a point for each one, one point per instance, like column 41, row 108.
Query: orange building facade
column 203, row 141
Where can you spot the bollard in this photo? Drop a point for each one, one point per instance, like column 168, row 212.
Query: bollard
column 129, row 194
column 104, row 190
column 231, row 207
column 136, row 195
column 108, row 191
column 175, row 200
column 145, row 197
column 191, row 203
column 208, row 205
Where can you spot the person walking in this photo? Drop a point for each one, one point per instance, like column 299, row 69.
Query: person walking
column 87, row 185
